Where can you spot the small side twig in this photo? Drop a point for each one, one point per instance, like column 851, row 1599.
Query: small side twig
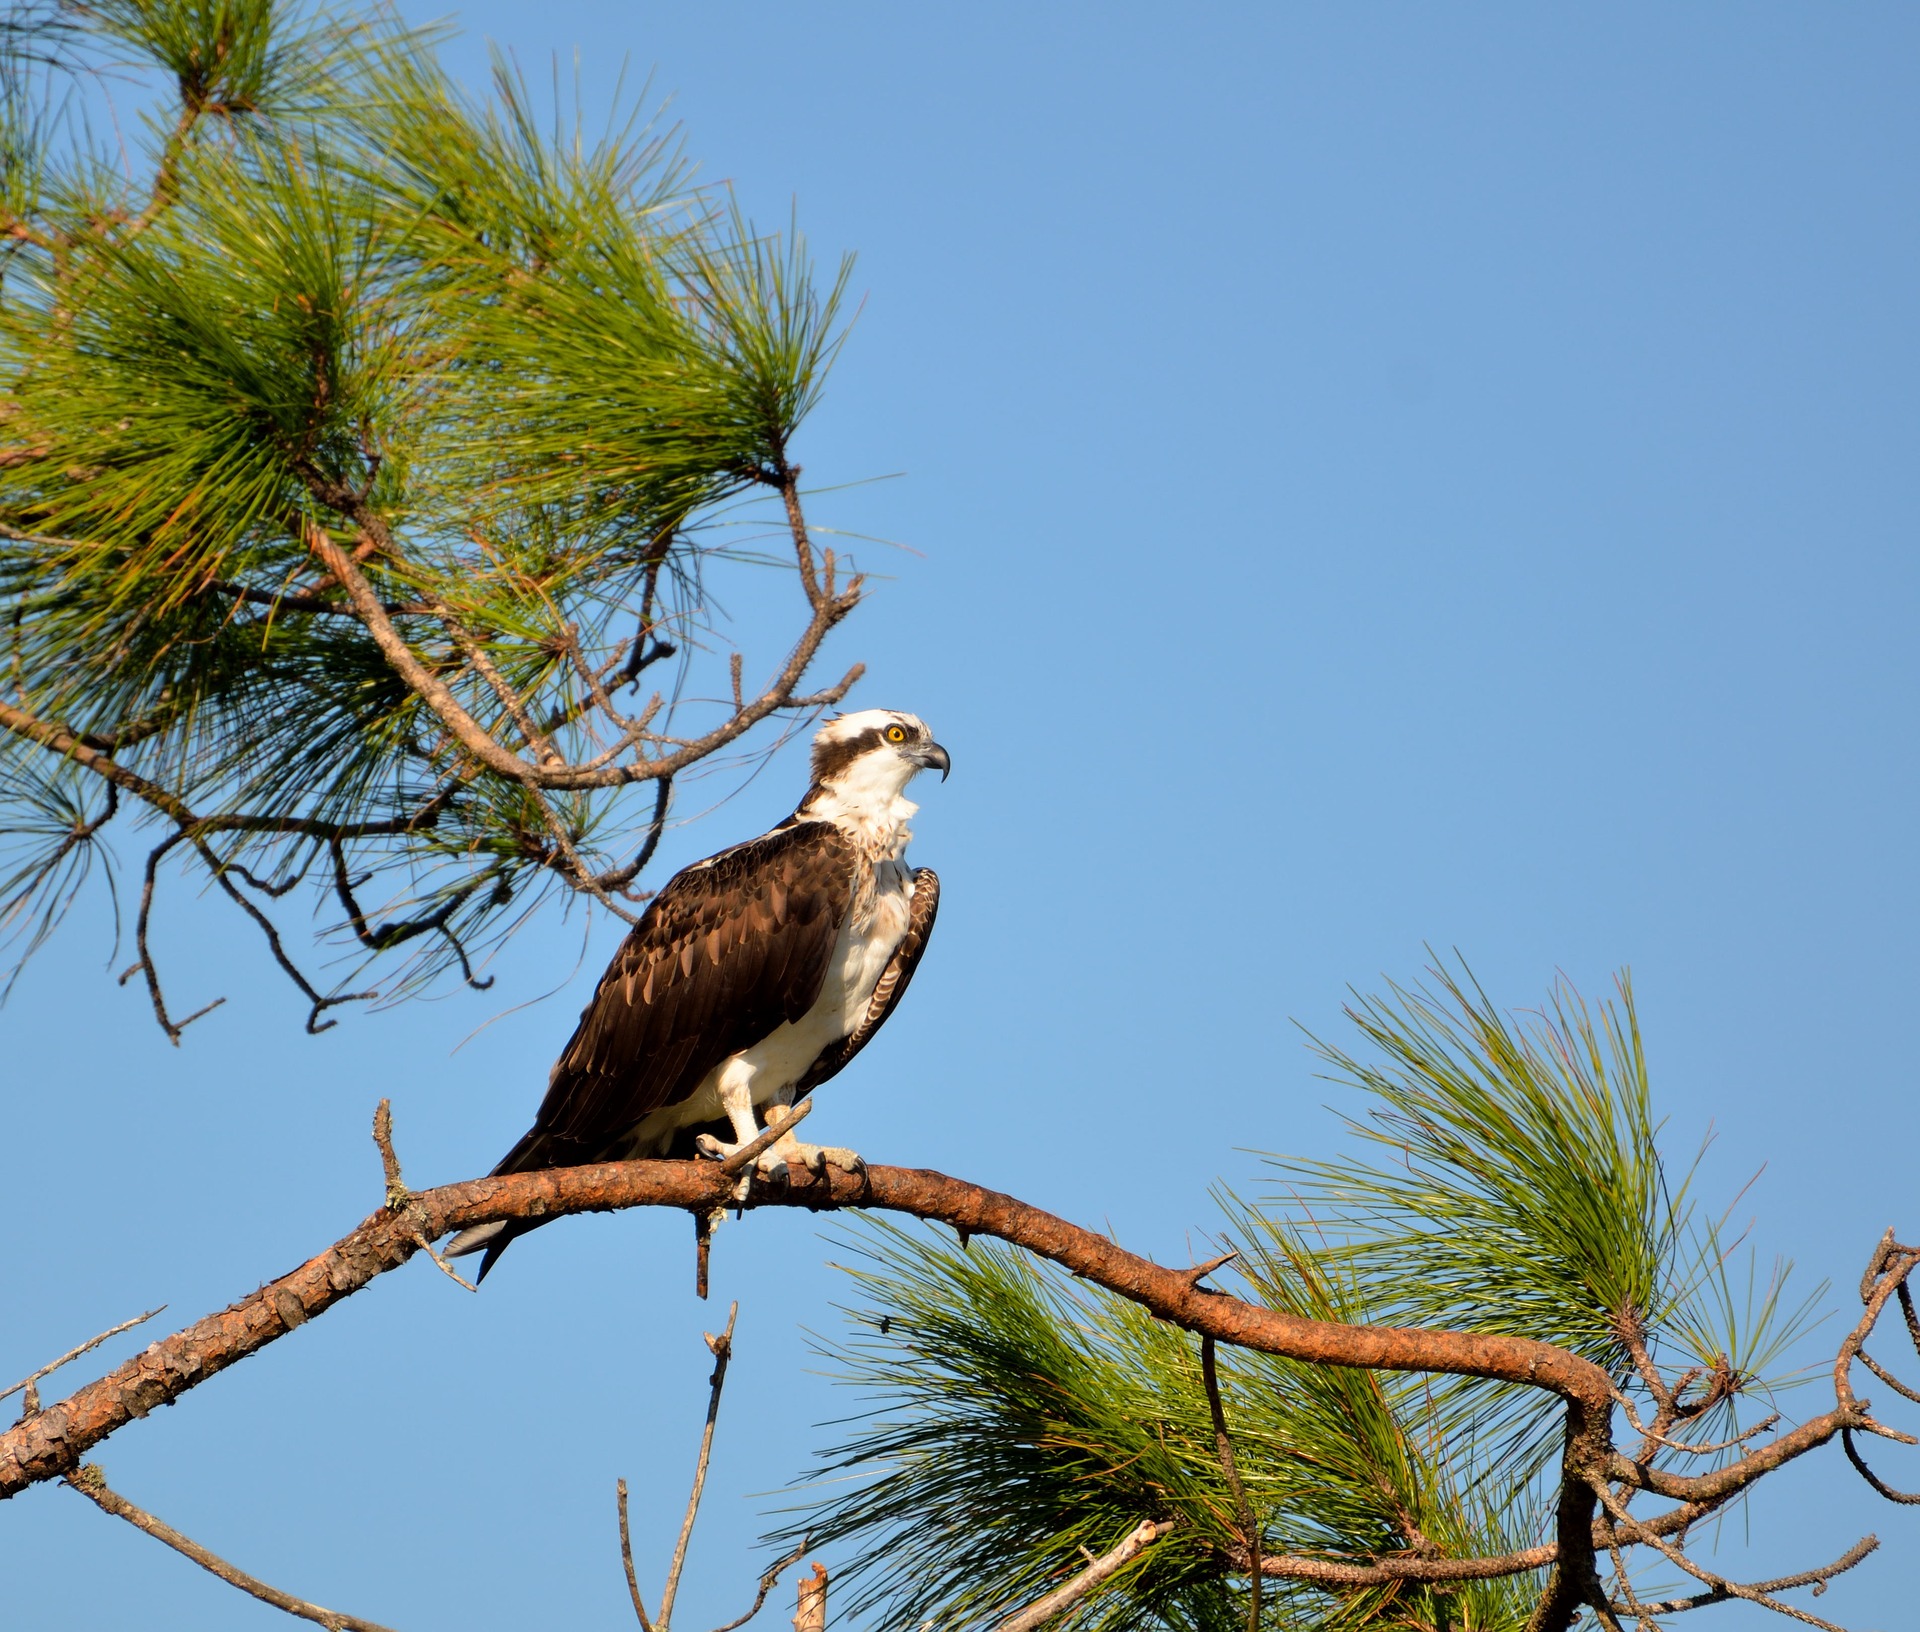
column 722, row 1347
column 1817, row 1579
column 397, row 1191
column 399, row 1198
column 1042, row 1610
column 1200, row 1272
column 1887, row 1377
column 705, row 1221
column 92, row 1484
column 1243, row 1510
column 767, row 1583
column 626, row 1558
column 31, row 1405
column 1880, row 1485
column 144, row 964
column 1639, row 1534
column 743, row 1158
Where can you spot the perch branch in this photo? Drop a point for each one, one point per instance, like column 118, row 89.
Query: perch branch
column 53, row 1443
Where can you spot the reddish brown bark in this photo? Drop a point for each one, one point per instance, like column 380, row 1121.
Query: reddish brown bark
column 53, row 1442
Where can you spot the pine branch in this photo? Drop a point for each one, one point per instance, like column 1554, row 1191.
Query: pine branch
column 92, row 1484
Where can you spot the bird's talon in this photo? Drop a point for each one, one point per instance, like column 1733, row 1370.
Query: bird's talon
column 712, row 1149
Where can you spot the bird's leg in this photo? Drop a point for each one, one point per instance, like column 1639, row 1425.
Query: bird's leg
column 787, row 1152
column 736, row 1099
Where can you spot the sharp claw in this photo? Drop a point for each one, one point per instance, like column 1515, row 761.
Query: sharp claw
column 711, row 1148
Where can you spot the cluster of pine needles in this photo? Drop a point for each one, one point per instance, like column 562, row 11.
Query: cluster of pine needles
column 1505, row 1179
column 526, row 371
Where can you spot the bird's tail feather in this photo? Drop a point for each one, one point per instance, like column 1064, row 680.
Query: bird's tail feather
column 472, row 1240
column 530, row 1152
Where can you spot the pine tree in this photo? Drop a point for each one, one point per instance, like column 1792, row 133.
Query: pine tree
column 360, row 470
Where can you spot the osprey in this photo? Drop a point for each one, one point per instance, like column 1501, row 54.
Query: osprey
column 751, row 978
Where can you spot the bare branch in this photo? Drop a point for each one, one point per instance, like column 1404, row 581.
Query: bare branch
column 144, row 963
column 1888, row 1378
column 397, row 1191
column 1873, row 1479
column 722, row 1347
column 1383, row 1572
column 767, row 1583
column 433, row 691
column 1817, row 1579
column 1102, row 1569
column 1715, row 1583
column 320, row 1003
column 32, row 1402
column 92, row 1484
column 476, row 655
column 1223, row 1447
column 782, row 692
column 626, row 1557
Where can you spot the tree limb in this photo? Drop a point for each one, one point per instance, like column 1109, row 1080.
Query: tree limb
column 54, row 1442
column 92, row 1484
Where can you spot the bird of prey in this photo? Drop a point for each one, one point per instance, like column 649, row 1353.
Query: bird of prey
column 751, row 978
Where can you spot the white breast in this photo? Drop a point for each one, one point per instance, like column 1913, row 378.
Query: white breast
column 868, row 940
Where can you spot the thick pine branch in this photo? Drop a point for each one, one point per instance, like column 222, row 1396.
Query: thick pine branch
column 52, row 1443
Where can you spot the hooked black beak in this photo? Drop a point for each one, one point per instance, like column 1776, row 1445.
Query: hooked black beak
column 932, row 757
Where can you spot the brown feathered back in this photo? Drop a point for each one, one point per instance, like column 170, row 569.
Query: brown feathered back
column 726, row 953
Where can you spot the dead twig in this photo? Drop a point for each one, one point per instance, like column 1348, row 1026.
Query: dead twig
column 1102, row 1569
column 705, row 1221
column 31, row 1404
column 399, row 1198
column 1716, row 1584
column 1223, row 1447
column 397, row 1191
column 722, row 1347
column 92, row 1484
column 626, row 1557
column 1817, row 1579
column 1880, row 1486
column 767, row 1583
column 1200, row 1272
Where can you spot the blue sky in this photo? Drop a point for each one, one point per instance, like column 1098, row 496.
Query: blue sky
column 1376, row 477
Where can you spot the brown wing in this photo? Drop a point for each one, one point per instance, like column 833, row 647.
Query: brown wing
column 725, row 953
column 893, row 983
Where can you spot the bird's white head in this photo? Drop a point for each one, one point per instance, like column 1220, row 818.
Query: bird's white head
column 862, row 764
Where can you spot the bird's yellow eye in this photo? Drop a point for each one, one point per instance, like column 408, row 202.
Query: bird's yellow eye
column 896, row 733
